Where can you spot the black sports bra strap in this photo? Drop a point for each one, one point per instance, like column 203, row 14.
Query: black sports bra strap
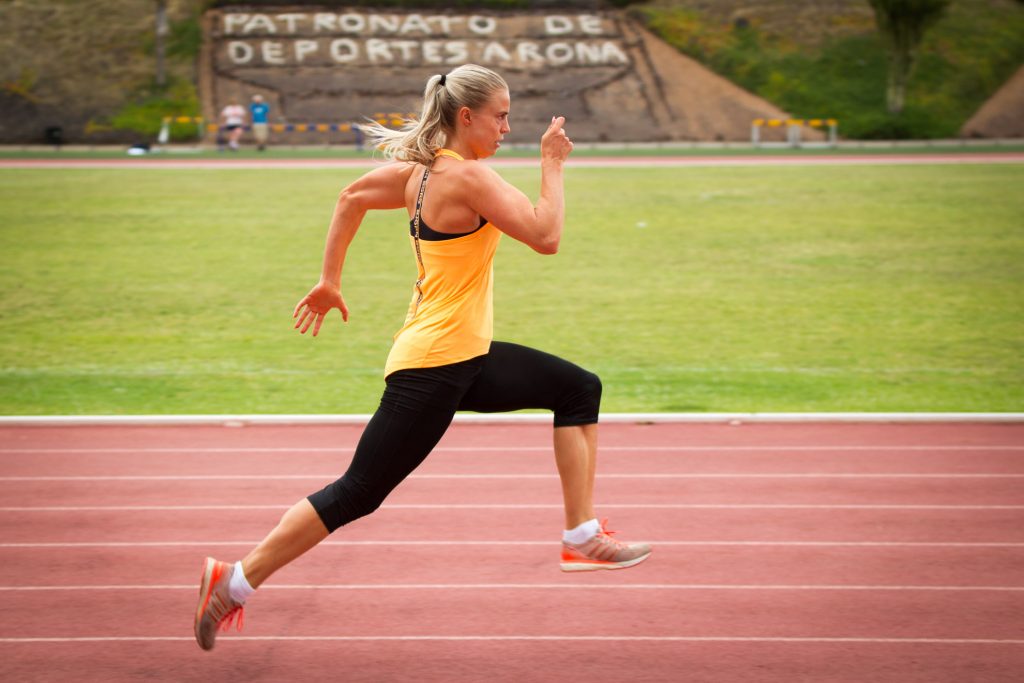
column 416, row 235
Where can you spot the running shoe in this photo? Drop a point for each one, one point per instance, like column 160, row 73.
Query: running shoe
column 216, row 609
column 602, row 552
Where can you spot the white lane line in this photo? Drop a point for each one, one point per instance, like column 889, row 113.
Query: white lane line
column 523, row 449
column 513, row 506
column 517, row 475
column 532, row 638
column 526, row 586
column 547, row 543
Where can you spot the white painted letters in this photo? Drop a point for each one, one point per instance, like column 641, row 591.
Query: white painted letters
column 303, row 48
column 239, row 52
column 291, row 20
column 352, row 23
column 559, row 53
column 495, row 53
column 483, row 25
column 379, row 24
column 357, row 37
column 458, row 52
column 528, row 53
column 259, row 22
column 273, row 52
column 377, row 50
column 323, row 22
column 234, row 21
column 610, row 52
column 414, row 24
column 344, row 50
column 590, row 24
column 556, row 25
column 432, row 51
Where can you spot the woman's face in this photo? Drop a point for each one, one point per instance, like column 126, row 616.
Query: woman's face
column 486, row 126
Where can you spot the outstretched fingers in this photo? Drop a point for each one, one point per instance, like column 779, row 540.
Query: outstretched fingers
column 298, row 306
column 313, row 308
column 309, row 319
column 306, row 315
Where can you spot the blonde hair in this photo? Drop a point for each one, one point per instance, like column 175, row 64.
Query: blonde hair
column 419, row 138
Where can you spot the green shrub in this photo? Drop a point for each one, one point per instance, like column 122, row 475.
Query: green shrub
column 145, row 116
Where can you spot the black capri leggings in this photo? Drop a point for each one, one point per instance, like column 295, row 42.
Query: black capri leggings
column 419, row 404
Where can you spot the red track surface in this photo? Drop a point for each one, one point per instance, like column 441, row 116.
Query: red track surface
column 783, row 552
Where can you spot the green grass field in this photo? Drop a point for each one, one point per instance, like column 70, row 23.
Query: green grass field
column 682, row 149
column 869, row 288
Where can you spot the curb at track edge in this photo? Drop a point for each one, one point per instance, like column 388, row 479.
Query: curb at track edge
column 507, row 418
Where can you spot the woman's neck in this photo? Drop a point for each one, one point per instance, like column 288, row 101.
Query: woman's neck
column 461, row 148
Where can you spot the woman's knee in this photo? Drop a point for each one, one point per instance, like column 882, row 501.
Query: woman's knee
column 580, row 403
column 345, row 501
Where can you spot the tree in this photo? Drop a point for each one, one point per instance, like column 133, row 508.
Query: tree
column 903, row 24
column 162, row 30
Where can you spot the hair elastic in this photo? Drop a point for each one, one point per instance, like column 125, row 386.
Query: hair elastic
column 443, row 77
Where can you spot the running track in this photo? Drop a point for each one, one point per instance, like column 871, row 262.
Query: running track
column 178, row 162
column 783, row 552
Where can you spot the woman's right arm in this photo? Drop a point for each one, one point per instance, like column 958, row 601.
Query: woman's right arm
column 382, row 188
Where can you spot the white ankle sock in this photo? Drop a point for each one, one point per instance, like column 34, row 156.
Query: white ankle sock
column 239, row 588
column 584, row 532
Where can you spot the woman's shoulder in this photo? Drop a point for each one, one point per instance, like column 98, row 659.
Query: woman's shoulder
column 469, row 171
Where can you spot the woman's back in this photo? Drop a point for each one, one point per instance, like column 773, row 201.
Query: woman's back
column 446, row 200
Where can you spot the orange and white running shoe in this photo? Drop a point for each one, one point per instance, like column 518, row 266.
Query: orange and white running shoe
column 602, row 552
column 216, row 609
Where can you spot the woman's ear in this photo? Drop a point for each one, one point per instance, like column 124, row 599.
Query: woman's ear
column 465, row 116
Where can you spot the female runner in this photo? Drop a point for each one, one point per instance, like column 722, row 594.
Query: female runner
column 443, row 358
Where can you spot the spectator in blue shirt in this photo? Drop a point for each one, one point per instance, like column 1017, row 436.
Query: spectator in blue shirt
column 260, row 130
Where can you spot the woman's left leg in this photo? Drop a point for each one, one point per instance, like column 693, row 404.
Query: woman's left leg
column 576, row 459
column 515, row 377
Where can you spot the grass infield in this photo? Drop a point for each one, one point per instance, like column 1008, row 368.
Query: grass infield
column 248, row 152
column 774, row 289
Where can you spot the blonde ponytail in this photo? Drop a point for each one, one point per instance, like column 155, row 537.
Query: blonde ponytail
column 418, row 140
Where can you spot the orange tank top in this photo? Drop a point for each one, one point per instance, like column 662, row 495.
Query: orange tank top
column 451, row 315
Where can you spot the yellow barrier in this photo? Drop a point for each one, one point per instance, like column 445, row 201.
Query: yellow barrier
column 164, row 136
column 384, row 119
column 793, row 130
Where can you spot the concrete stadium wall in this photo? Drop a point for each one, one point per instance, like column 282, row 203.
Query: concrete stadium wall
column 612, row 80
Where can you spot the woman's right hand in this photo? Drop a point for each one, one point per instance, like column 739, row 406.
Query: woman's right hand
column 555, row 145
column 313, row 307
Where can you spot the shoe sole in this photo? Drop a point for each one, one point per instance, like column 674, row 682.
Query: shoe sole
column 594, row 565
column 211, row 573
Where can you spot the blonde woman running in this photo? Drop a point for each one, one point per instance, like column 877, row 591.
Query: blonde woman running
column 443, row 358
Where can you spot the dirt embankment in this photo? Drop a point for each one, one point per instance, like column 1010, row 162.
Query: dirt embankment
column 1003, row 115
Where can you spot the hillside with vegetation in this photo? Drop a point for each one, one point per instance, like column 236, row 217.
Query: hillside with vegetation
column 817, row 58
column 90, row 67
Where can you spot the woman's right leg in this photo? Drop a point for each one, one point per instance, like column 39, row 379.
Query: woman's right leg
column 415, row 411
column 298, row 531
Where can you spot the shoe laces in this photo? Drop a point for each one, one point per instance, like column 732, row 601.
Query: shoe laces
column 225, row 623
column 605, row 535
